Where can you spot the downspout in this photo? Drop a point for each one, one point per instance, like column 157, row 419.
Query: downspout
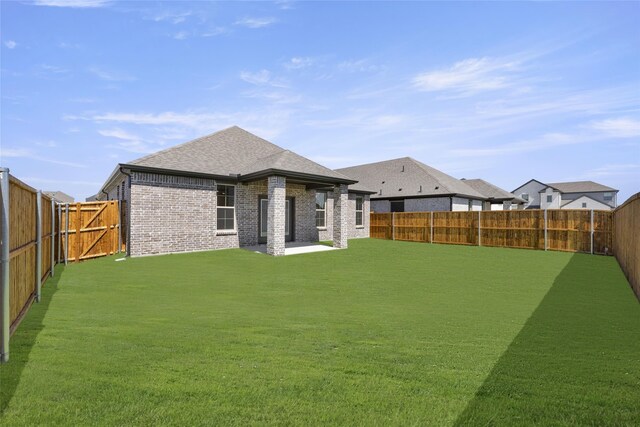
column 106, row 194
column 128, row 212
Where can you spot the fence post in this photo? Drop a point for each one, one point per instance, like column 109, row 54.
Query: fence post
column 53, row 235
column 431, row 226
column 545, row 229
column 66, row 237
column 78, row 227
column 59, row 232
column 591, row 231
column 119, row 229
column 38, row 244
column 479, row 237
column 393, row 226
column 5, row 318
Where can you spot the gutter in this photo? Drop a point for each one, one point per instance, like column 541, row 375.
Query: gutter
column 128, row 215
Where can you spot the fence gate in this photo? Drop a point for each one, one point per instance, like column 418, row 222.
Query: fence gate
column 93, row 228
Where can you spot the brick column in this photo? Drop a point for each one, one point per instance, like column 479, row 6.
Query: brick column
column 276, row 191
column 340, row 216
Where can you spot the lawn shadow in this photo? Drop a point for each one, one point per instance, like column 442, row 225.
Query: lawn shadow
column 23, row 340
column 575, row 361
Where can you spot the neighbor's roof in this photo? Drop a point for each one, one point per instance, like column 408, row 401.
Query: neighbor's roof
column 404, row 177
column 489, row 190
column 59, row 196
column 580, row 187
column 233, row 151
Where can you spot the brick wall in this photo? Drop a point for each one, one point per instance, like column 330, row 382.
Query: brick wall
column 178, row 214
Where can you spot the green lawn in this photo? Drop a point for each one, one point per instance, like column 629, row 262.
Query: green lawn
column 382, row 333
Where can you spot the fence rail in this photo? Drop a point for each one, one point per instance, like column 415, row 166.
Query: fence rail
column 37, row 234
column 626, row 244
column 559, row 230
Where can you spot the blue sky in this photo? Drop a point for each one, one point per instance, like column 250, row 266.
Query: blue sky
column 501, row 91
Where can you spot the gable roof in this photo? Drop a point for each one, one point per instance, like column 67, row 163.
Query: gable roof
column 581, row 198
column 234, row 152
column 580, row 187
column 531, row 180
column 489, row 190
column 407, row 177
column 60, row 196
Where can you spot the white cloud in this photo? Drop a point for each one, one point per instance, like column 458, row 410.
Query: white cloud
column 261, row 78
column 173, row 17
column 28, row 154
column 256, row 22
column 110, row 75
column 613, row 170
column 215, row 31
column 469, row 76
column 357, row 65
column 53, row 69
column 298, row 62
column 128, row 141
column 11, row 44
column 622, row 127
column 65, row 45
column 180, row 35
column 72, row 3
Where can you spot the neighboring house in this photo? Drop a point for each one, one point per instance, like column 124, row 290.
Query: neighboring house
column 232, row 189
column 567, row 195
column 59, row 196
column 497, row 198
column 407, row 185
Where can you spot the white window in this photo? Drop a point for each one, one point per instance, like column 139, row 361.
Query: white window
column 525, row 197
column 549, row 198
column 359, row 211
column 226, row 207
column 608, row 197
column 321, row 209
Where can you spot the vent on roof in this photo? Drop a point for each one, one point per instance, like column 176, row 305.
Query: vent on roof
column 380, row 192
column 383, row 182
column 420, row 190
column 399, row 189
column 402, row 168
column 437, row 188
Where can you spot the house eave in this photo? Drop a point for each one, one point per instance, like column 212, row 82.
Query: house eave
column 300, row 176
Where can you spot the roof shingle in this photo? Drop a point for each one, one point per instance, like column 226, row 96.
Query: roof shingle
column 407, row 177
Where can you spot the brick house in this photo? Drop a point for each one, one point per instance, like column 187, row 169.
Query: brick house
column 232, row 189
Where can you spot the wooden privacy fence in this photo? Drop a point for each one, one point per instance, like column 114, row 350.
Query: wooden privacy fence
column 626, row 245
column 34, row 237
column 559, row 230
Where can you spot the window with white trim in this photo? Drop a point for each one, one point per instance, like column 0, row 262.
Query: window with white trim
column 359, row 211
column 584, row 204
column 525, row 197
column 321, row 209
column 226, row 207
column 608, row 197
column 549, row 198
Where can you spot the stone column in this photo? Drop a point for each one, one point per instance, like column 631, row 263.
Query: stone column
column 276, row 191
column 340, row 216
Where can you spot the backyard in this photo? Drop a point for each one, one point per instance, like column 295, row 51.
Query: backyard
column 385, row 332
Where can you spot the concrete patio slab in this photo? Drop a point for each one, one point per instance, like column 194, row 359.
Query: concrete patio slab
column 294, row 248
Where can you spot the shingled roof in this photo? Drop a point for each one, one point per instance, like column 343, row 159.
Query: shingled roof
column 489, row 190
column 407, row 177
column 580, row 187
column 234, row 151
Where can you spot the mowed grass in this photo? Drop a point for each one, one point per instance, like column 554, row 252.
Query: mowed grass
column 382, row 333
